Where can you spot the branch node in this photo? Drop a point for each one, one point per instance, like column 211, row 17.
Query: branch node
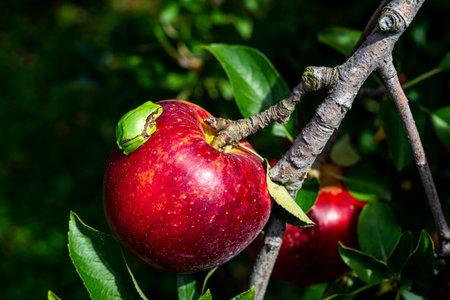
column 391, row 21
column 316, row 78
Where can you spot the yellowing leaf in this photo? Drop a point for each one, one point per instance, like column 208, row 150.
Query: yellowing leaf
column 282, row 197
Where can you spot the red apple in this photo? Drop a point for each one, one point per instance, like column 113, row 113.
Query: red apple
column 310, row 255
column 180, row 204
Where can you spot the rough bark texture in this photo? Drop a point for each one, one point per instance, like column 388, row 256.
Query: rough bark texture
column 372, row 53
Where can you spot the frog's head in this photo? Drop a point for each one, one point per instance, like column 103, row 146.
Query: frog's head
column 136, row 126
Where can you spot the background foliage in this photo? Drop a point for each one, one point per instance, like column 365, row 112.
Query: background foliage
column 70, row 69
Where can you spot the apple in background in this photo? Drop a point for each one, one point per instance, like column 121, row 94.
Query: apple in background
column 310, row 255
column 178, row 203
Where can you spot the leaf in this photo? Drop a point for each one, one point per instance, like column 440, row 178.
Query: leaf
column 445, row 62
column 247, row 295
column 99, row 260
column 397, row 140
column 364, row 183
column 187, row 287
column 52, row 296
column 339, row 38
column 307, row 195
column 314, row 292
column 407, row 295
column 282, row 197
column 401, row 252
column 441, row 123
column 368, row 268
column 256, row 83
column 208, row 275
column 206, row 296
column 378, row 230
column 343, row 154
column 418, row 271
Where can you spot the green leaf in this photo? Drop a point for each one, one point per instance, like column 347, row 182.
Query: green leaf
column 401, row 252
column 187, row 287
column 247, row 295
column 52, row 296
column 208, row 275
column 445, row 62
column 407, row 295
column 397, row 140
column 368, row 268
column 206, row 296
column 314, row 292
column 99, row 260
column 294, row 215
column 339, row 38
column 256, row 83
column 418, row 271
column 378, row 230
column 364, row 183
column 343, row 154
column 307, row 195
column 441, row 122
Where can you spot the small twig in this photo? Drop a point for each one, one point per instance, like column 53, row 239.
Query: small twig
column 233, row 131
column 394, row 87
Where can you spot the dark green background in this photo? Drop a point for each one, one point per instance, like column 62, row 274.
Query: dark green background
column 70, row 69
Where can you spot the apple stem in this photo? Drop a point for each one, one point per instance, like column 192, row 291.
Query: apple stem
column 390, row 77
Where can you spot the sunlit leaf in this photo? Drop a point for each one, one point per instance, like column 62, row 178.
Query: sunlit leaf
column 52, row 296
column 187, row 287
column 247, row 295
column 99, row 261
column 293, row 212
column 206, row 296
column 256, row 83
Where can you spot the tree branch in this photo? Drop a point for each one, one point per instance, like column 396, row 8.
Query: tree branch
column 342, row 84
column 389, row 75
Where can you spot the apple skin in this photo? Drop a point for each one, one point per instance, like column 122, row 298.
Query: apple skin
column 310, row 255
column 178, row 203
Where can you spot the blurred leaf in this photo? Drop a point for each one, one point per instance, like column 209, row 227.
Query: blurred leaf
column 401, row 252
column 244, row 27
column 378, row 230
column 398, row 144
column 364, row 183
column 368, row 268
column 206, row 296
column 343, row 153
column 418, row 271
column 307, row 195
column 293, row 213
column 99, row 261
column 247, row 295
column 314, row 292
column 445, row 62
column 407, row 295
column 256, row 83
column 52, row 296
column 441, row 122
column 339, row 38
column 187, row 287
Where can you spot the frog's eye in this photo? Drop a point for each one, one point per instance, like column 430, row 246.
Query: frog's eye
column 136, row 126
